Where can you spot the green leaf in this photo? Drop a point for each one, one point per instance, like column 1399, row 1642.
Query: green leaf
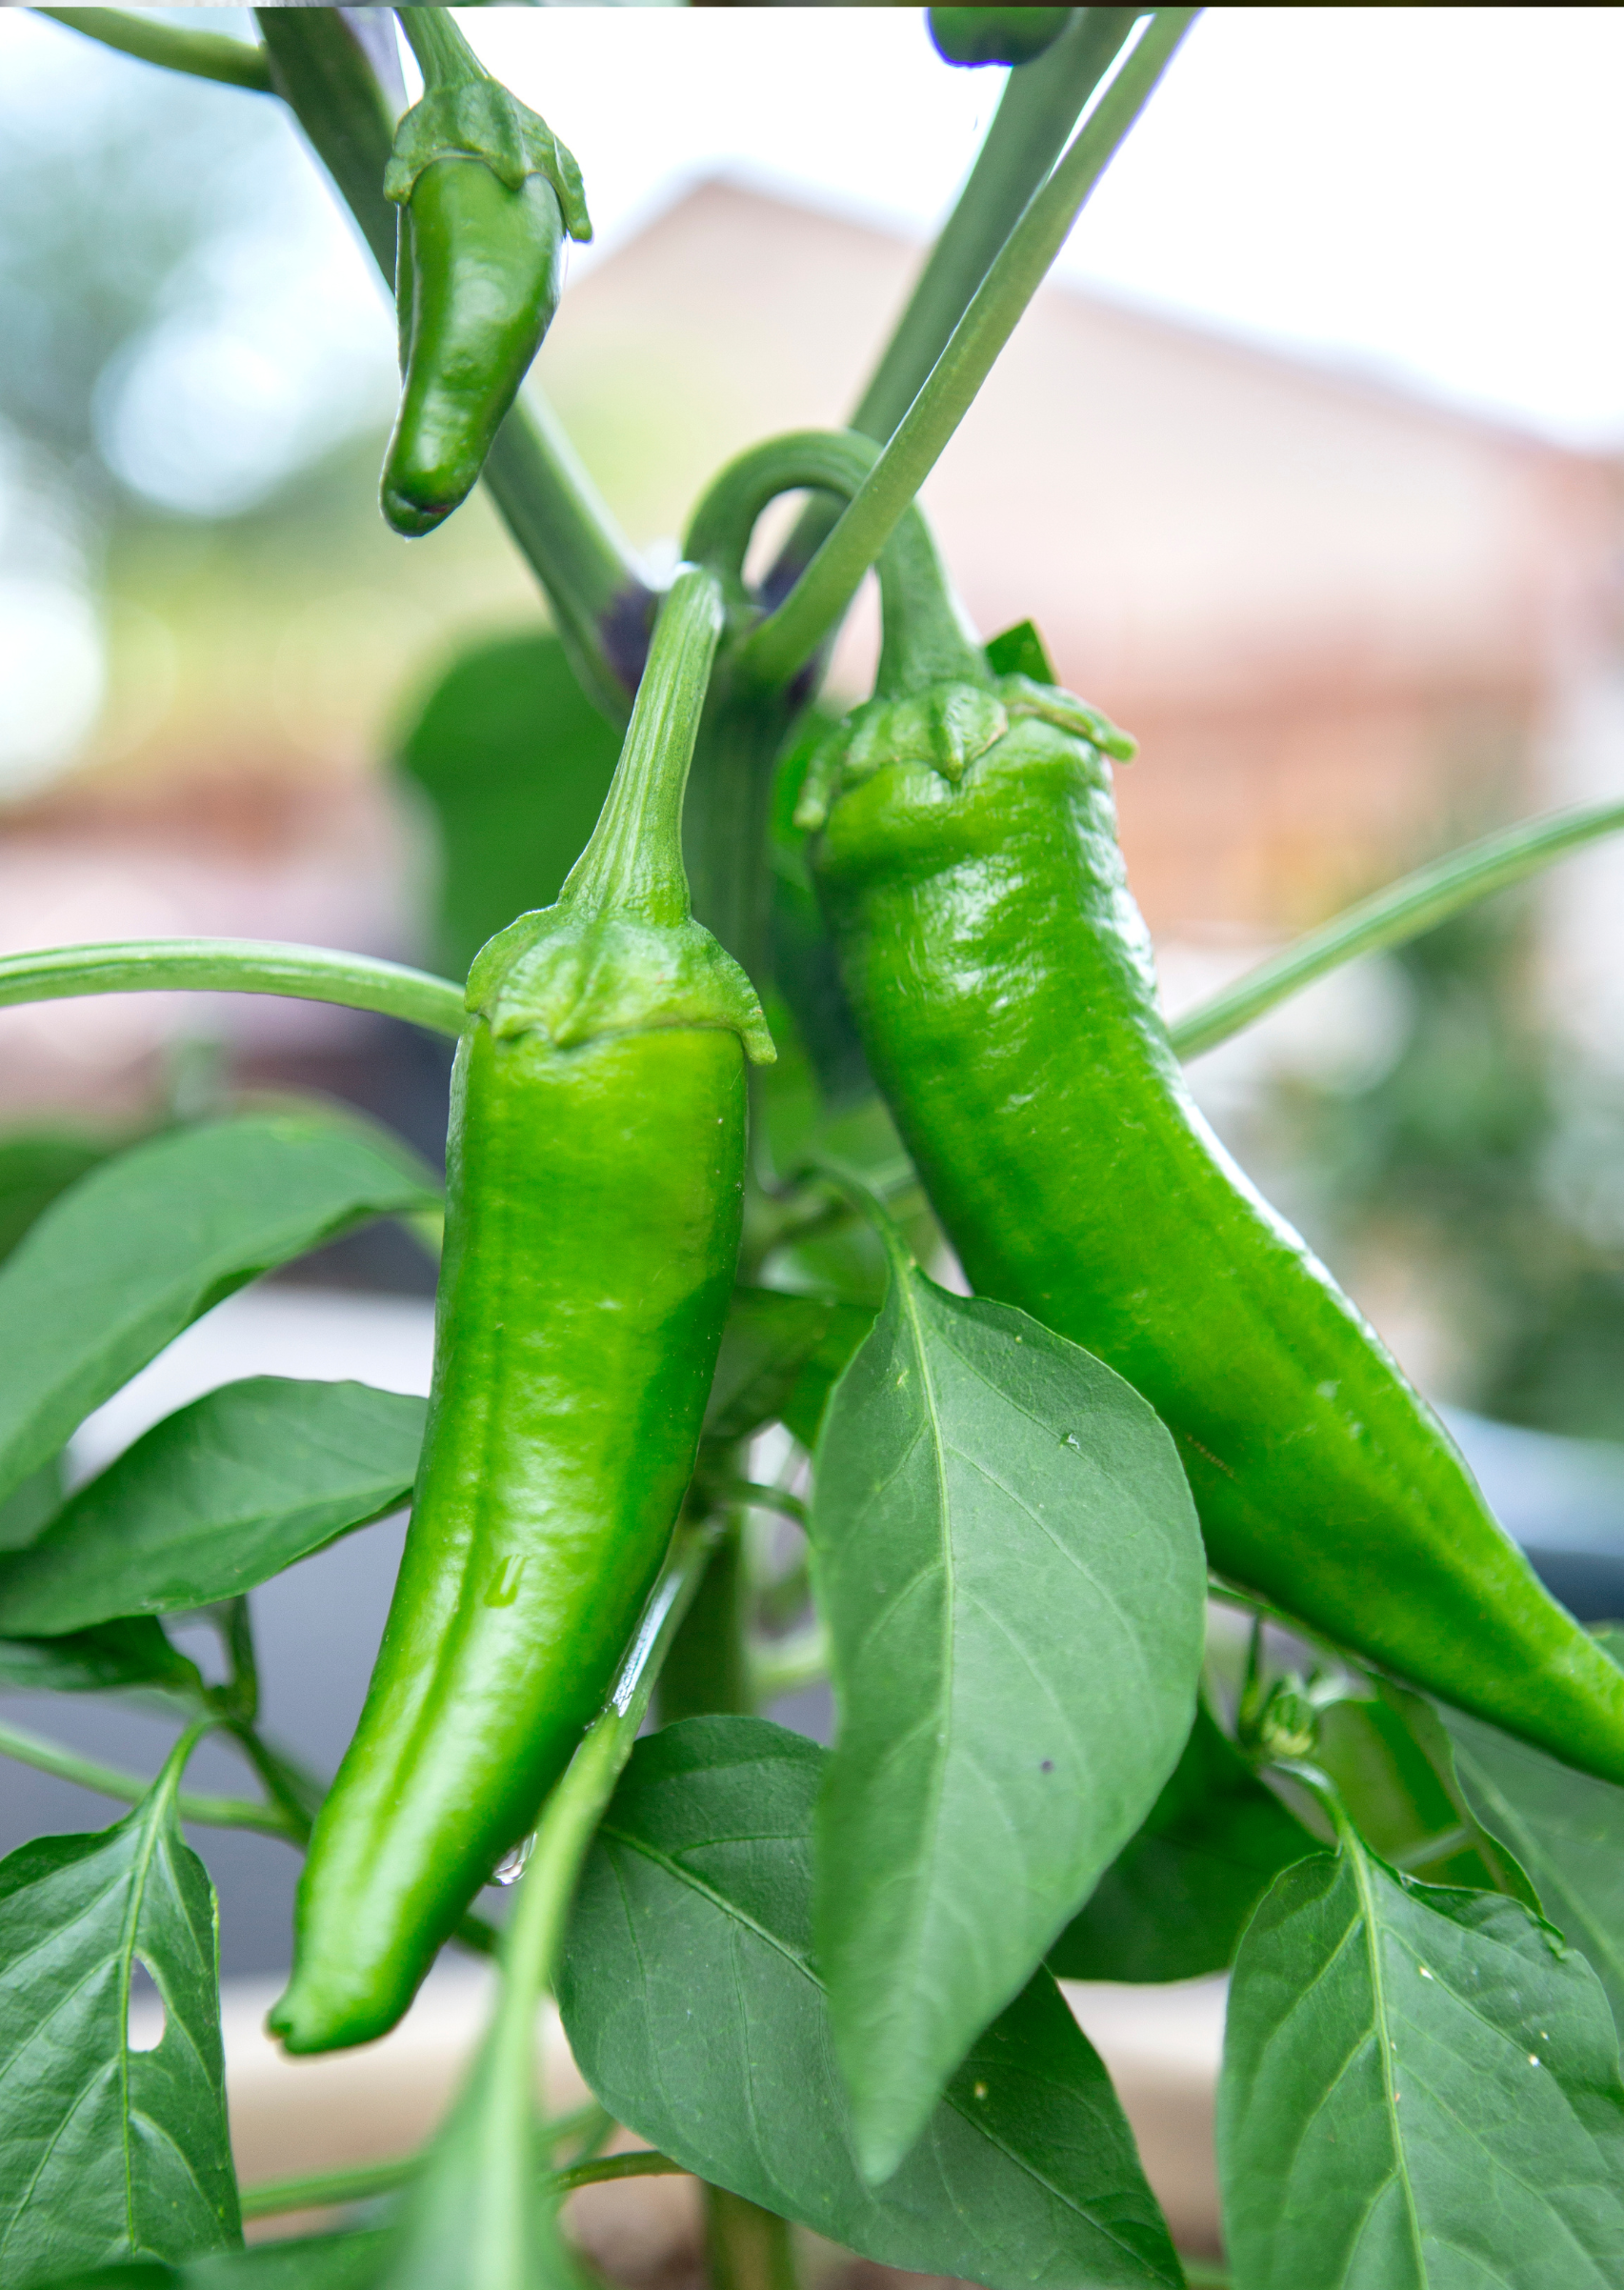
column 515, row 762
column 34, row 1168
column 1008, row 1560
column 1393, row 1769
column 1566, row 1829
column 1174, row 1902
column 343, row 2262
column 216, row 1498
column 1021, row 651
column 139, row 1249
column 105, row 2152
column 119, row 1658
column 695, row 2014
column 780, row 1357
column 1420, row 2091
column 26, row 1510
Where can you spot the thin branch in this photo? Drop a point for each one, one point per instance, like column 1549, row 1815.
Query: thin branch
column 789, row 1665
column 820, row 597
column 326, row 2190
column 756, row 1496
column 305, row 974
column 643, row 2163
column 130, row 1788
column 1040, row 106
column 177, row 47
column 1418, row 902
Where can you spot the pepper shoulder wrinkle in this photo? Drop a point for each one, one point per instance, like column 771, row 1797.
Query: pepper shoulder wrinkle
column 595, row 1187
column 1002, row 979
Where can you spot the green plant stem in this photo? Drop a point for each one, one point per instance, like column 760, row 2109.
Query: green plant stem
column 1203, row 2274
column 748, row 2248
column 305, row 973
column 600, row 603
column 1417, row 902
column 757, row 1496
column 820, row 597
column 787, row 1665
column 446, row 59
column 177, row 47
column 632, row 864
column 1040, row 106
column 360, row 2182
column 643, row 2162
column 130, row 1788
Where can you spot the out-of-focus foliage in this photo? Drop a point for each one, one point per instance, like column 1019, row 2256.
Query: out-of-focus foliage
column 1480, row 1161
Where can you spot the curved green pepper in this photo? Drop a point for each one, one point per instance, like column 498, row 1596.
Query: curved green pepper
column 486, row 195
column 593, row 1226
column 996, row 35
column 1003, row 986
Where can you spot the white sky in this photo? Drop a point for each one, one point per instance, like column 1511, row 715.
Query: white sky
column 1438, row 194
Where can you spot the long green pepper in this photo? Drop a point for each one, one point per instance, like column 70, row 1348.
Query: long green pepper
column 1003, row 986
column 485, row 195
column 595, row 1190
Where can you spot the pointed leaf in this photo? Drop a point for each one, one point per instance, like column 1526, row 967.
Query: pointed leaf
column 117, row 1658
column 696, row 2013
column 216, row 1498
column 1420, row 2091
column 105, row 2152
column 1006, row 1557
column 1566, row 1829
column 138, row 1249
column 1173, row 1904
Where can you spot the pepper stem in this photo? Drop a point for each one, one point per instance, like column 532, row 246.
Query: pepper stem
column 927, row 641
column 634, row 863
column 446, row 59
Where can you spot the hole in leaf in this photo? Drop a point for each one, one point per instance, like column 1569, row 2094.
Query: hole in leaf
column 145, row 2028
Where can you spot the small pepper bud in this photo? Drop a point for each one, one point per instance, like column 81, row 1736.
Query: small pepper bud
column 996, row 35
column 486, row 195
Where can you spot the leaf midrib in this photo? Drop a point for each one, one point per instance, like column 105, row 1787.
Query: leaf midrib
column 739, row 1917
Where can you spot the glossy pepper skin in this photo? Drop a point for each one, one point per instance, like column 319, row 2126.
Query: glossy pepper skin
column 478, row 271
column 1003, row 986
column 487, row 195
column 593, row 1224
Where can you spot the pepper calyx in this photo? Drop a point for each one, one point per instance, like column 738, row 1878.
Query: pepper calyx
column 481, row 119
column 575, row 978
column 947, row 727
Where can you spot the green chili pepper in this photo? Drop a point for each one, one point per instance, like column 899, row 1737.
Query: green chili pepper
column 593, row 1227
column 485, row 194
column 996, row 35
column 1002, row 981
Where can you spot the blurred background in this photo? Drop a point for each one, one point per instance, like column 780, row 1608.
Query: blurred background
column 1307, row 463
